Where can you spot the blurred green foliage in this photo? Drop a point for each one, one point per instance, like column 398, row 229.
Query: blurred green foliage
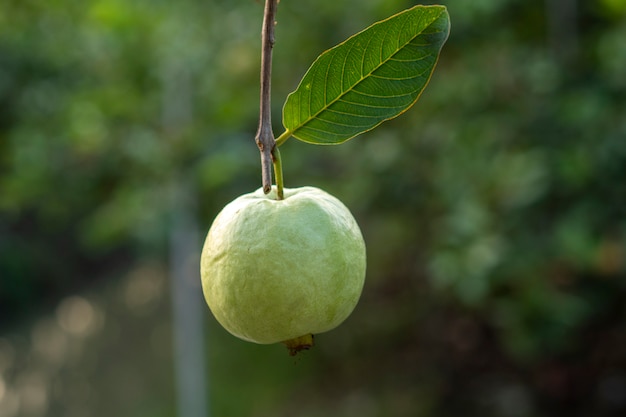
column 494, row 210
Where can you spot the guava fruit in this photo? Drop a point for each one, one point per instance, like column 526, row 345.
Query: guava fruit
column 283, row 270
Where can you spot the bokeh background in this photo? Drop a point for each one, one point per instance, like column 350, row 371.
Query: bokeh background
column 494, row 212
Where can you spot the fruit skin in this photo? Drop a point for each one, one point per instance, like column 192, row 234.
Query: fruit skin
column 275, row 270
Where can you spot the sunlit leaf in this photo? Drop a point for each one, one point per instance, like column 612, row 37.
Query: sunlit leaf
column 373, row 76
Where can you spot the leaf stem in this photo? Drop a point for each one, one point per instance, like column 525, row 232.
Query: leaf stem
column 278, row 173
column 265, row 136
column 283, row 137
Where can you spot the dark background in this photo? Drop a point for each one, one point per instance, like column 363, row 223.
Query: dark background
column 494, row 212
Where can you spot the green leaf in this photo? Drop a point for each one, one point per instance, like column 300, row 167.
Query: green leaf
column 371, row 77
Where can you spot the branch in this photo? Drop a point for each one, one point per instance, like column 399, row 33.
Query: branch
column 265, row 136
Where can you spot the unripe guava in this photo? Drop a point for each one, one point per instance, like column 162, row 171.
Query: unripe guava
column 282, row 270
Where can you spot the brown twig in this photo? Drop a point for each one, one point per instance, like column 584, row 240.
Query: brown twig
column 265, row 136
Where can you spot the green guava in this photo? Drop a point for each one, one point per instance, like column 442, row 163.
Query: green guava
column 283, row 270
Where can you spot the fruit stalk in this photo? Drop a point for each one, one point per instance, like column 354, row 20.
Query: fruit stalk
column 265, row 136
column 278, row 173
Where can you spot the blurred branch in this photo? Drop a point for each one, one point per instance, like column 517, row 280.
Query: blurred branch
column 184, row 254
column 187, row 305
